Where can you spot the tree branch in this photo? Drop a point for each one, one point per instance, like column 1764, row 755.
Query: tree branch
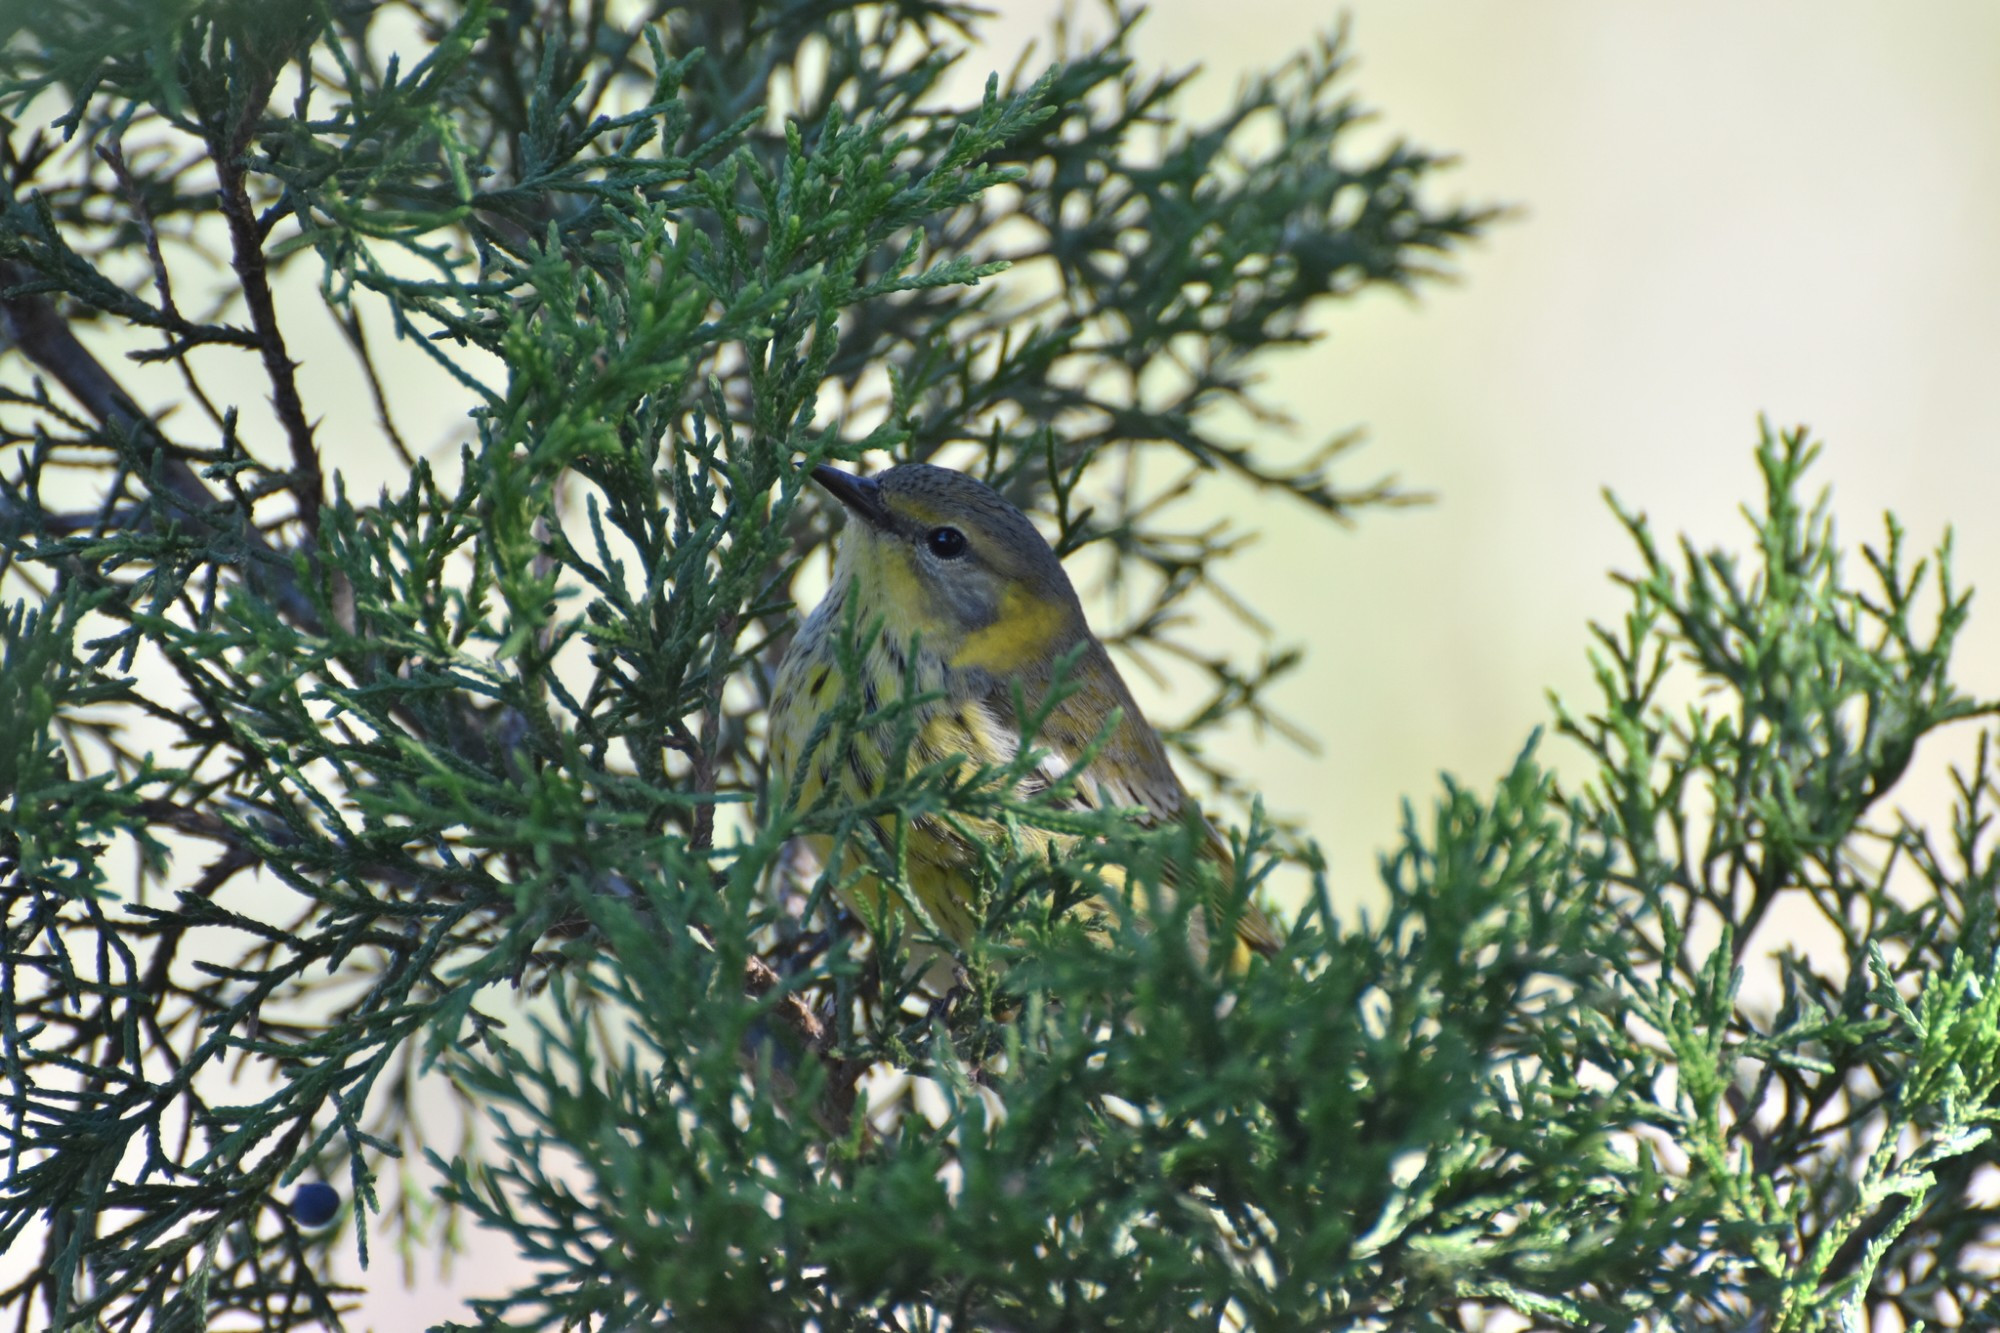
column 246, row 239
column 30, row 323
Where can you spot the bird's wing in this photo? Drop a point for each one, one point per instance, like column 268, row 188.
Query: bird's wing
column 1131, row 770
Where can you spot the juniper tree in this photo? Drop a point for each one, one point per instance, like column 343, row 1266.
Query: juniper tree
column 328, row 813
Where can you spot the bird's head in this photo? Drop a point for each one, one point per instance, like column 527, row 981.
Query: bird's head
column 942, row 555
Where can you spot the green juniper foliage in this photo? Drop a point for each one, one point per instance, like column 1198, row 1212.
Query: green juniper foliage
column 417, row 844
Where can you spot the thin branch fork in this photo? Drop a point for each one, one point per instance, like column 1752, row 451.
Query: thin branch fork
column 32, row 324
column 246, row 237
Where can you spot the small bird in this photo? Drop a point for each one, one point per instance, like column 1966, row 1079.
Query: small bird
column 974, row 606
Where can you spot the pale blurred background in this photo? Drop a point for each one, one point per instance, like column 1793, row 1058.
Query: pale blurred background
column 1784, row 208
column 1725, row 209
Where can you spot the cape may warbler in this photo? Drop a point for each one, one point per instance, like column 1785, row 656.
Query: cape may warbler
column 974, row 606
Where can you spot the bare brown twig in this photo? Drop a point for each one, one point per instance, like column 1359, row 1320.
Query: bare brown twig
column 246, row 237
column 32, row 324
column 357, row 338
column 113, row 156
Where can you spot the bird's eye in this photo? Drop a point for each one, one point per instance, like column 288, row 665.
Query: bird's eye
column 946, row 543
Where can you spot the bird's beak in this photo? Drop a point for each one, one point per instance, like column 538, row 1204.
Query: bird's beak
column 862, row 495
